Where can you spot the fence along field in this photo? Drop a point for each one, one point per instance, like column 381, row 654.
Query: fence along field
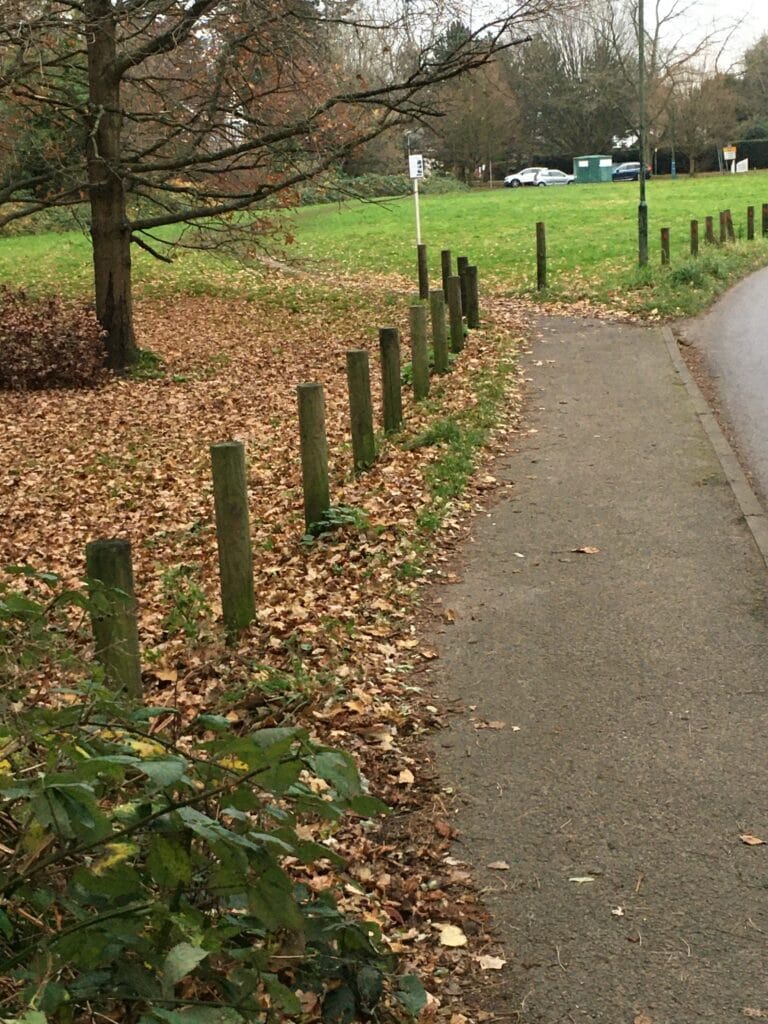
column 114, row 614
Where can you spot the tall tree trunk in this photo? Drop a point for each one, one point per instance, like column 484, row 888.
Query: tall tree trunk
column 110, row 231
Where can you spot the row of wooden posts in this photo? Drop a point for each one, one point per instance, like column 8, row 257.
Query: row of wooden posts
column 109, row 563
column 726, row 234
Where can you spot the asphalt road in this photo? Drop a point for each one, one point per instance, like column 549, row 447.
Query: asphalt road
column 733, row 338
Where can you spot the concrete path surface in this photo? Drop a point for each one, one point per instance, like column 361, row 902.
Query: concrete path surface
column 632, row 683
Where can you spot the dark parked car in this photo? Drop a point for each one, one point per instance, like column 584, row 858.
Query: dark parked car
column 629, row 172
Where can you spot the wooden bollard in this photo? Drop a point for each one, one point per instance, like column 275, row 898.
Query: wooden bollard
column 455, row 315
column 445, row 269
column 113, row 613
column 461, row 267
column 360, row 409
column 694, row 238
column 750, row 223
column 730, row 233
column 233, row 534
column 419, row 351
column 473, row 301
column 314, row 452
column 391, row 394
column 765, row 219
column 439, row 332
column 710, row 230
column 723, row 228
column 665, row 246
column 423, row 266
column 541, row 256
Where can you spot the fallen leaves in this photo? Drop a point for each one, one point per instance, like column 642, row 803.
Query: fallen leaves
column 750, row 840
column 335, row 637
column 586, row 550
column 498, row 865
column 490, row 963
column 450, row 935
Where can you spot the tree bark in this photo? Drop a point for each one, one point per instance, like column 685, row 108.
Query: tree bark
column 110, row 230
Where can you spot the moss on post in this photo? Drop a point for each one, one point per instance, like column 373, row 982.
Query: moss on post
column 113, row 613
column 314, row 453
column 473, row 300
column 445, row 269
column 461, row 266
column 665, row 247
column 233, row 535
column 419, row 351
column 455, row 316
column 360, row 409
column 423, row 265
column 439, row 332
column 541, row 256
column 391, row 394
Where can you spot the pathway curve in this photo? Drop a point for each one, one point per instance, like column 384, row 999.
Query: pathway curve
column 633, row 685
column 733, row 337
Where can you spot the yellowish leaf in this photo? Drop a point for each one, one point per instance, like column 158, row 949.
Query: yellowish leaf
column 451, row 935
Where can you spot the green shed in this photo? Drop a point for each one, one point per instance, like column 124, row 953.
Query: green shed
column 592, row 168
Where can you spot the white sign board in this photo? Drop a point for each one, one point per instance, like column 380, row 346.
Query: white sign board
column 729, row 152
column 608, row 162
column 416, row 165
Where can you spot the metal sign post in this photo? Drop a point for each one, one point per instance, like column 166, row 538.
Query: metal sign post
column 416, row 171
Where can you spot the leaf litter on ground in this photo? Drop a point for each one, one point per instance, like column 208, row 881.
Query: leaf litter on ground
column 333, row 646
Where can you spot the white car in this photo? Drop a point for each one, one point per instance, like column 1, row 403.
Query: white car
column 525, row 177
column 550, row 176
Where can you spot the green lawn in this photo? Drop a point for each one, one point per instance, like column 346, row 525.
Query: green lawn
column 591, row 238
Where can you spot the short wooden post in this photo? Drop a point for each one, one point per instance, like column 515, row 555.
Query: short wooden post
column 461, row 266
column 423, row 265
column 729, row 229
column 233, row 534
column 419, row 351
column 445, row 269
column 723, row 229
column 113, row 613
column 455, row 317
column 694, row 238
column 750, row 223
column 439, row 333
column 710, row 230
column 765, row 219
column 391, row 394
column 314, row 452
column 360, row 409
column 665, row 246
column 541, row 256
column 473, row 301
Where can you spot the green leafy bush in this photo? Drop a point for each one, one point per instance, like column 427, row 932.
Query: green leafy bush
column 46, row 343
column 156, row 881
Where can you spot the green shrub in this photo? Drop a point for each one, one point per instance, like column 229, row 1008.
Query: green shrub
column 157, row 881
column 46, row 343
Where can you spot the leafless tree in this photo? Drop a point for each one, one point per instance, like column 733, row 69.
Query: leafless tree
column 162, row 113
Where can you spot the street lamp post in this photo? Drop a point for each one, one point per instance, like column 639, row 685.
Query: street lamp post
column 642, row 210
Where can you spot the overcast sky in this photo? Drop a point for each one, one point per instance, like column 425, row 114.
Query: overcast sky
column 703, row 14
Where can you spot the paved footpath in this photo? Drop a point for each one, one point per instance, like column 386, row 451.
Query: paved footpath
column 633, row 685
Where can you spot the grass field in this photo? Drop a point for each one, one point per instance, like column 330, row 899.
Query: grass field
column 591, row 238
